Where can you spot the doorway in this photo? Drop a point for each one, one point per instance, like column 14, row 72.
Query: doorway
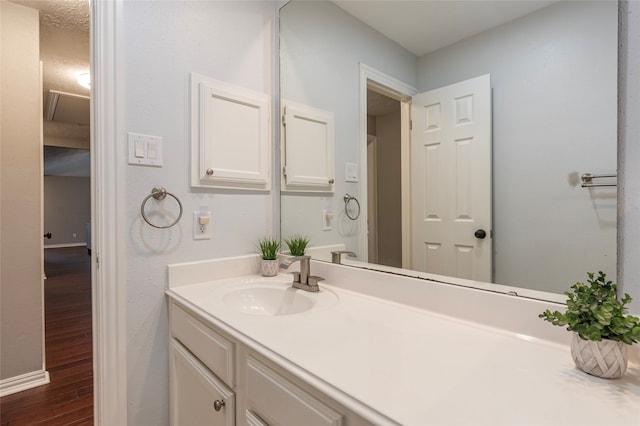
column 66, row 209
column 384, row 182
column 385, row 175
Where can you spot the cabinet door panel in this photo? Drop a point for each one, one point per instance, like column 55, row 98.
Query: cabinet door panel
column 308, row 149
column 194, row 390
column 230, row 136
column 213, row 350
column 279, row 402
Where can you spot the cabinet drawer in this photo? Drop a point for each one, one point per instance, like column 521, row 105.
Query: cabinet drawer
column 197, row 396
column 215, row 351
column 277, row 401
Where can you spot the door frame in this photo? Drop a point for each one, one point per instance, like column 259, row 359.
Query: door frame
column 108, row 278
column 395, row 89
column 372, row 216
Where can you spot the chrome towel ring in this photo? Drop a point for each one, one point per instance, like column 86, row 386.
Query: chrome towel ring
column 159, row 193
column 347, row 199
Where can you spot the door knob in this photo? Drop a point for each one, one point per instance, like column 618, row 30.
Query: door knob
column 218, row 404
column 480, row 234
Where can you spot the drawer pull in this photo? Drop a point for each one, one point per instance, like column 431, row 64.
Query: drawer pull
column 218, row 404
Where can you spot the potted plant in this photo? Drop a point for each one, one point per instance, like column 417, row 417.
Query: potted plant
column 297, row 244
column 601, row 326
column 269, row 248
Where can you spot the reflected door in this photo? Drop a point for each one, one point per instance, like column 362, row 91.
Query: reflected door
column 451, row 180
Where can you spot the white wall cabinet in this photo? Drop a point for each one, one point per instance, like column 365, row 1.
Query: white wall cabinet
column 255, row 391
column 230, row 136
column 308, row 149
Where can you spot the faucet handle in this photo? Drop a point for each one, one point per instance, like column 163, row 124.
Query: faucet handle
column 336, row 256
column 313, row 280
column 296, row 276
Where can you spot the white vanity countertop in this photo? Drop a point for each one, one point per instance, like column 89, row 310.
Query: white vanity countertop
column 416, row 367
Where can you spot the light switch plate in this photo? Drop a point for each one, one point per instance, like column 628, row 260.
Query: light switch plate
column 350, row 172
column 145, row 150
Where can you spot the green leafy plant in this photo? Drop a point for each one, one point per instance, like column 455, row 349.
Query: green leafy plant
column 595, row 313
column 269, row 248
column 297, row 244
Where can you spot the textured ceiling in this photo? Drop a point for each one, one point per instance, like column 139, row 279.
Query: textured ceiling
column 67, row 15
column 64, row 43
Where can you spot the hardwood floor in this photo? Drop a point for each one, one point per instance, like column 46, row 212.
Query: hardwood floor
column 68, row 399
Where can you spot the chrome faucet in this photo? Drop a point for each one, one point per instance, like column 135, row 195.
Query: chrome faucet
column 301, row 280
column 336, row 256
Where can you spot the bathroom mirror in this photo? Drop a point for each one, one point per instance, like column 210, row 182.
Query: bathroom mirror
column 552, row 117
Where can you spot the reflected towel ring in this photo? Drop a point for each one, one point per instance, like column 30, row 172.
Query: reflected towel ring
column 347, row 199
column 159, row 193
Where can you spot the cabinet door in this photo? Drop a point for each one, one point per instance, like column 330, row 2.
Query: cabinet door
column 308, row 149
column 274, row 400
column 230, row 136
column 194, row 392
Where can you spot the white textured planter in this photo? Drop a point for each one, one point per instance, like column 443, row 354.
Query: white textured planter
column 606, row 358
column 269, row 268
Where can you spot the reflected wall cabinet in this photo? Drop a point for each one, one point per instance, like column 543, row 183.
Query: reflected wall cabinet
column 230, row 136
column 307, row 149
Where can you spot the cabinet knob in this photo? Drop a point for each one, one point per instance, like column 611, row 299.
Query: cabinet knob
column 218, row 404
column 209, row 172
column 331, row 181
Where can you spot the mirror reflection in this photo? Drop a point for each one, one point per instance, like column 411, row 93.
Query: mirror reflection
column 463, row 147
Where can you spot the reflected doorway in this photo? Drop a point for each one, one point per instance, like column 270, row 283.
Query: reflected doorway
column 384, row 179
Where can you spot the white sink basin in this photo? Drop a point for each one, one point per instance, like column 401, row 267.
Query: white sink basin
column 272, row 299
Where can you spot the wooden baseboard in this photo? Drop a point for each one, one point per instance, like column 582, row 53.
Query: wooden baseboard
column 23, row 382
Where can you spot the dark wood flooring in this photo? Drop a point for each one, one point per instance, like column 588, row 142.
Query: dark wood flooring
column 68, row 399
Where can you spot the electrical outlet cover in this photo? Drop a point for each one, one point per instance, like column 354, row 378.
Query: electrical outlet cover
column 201, row 232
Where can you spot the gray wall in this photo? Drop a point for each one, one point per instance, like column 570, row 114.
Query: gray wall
column 21, row 309
column 67, row 208
column 629, row 153
column 161, row 42
column 553, row 75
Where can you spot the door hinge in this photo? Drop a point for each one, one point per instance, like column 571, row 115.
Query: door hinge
column 284, row 122
column 97, row 262
column 284, row 171
column 410, row 124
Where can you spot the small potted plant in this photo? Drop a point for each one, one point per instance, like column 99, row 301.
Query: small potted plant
column 297, row 245
column 601, row 326
column 269, row 248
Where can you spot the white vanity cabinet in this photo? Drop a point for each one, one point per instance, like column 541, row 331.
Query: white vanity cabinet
column 209, row 365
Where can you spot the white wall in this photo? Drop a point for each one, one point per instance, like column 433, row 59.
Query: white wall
column 21, row 310
column 67, row 209
column 161, row 42
column 553, row 75
column 317, row 73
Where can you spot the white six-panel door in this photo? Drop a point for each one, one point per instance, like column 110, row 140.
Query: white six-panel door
column 451, row 180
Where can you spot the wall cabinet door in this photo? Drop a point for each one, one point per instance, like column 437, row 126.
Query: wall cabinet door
column 308, row 149
column 197, row 396
column 230, row 136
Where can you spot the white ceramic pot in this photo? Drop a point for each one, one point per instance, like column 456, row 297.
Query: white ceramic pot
column 269, row 268
column 606, row 358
